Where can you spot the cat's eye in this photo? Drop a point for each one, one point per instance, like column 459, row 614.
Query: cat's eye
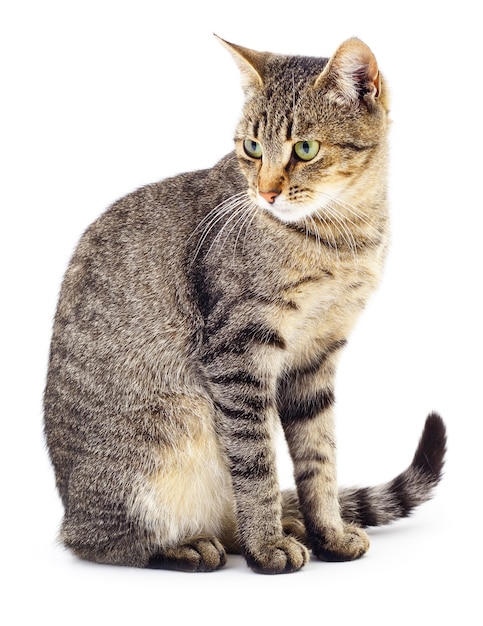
column 252, row 148
column 306, row 150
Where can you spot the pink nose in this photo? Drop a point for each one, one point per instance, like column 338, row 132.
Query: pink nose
column 269, row 196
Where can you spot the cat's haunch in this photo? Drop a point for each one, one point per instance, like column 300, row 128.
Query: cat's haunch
column 199, row 312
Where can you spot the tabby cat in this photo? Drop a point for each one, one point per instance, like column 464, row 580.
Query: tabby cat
column 199, row 312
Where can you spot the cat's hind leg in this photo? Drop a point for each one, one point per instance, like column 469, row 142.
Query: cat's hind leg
column 292, row 520
column 201, row 554
column 167, row 501
column 98, row 529
column 186, row 502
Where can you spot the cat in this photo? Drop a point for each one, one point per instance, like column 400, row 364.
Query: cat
column 200, row 312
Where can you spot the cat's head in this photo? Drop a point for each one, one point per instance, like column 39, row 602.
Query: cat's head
column 313, row 130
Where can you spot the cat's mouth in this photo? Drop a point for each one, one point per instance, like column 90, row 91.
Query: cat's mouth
column 290, row 212
column 328, row 201
column 283, row 210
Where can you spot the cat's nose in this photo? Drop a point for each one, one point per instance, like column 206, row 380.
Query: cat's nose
column 269, row 196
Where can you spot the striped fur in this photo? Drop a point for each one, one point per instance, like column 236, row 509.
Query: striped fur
column 388, row 502
column 201, row 312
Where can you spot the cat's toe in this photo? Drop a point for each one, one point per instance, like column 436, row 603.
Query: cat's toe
column 203, row 554
column 212, row 553
column 280, row 557
column 335, row 545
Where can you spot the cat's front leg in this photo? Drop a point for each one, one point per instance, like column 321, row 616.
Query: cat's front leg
column 305, row 402
column 240, row 369
column 257, row 495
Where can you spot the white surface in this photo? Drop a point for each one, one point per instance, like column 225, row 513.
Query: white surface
column 101, row 97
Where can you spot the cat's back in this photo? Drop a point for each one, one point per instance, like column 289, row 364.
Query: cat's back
column 126, row 294
column 167, row 211
column 139, row 248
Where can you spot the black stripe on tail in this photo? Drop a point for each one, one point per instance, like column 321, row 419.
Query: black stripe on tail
column 375, row 506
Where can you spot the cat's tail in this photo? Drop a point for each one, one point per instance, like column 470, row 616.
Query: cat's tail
column 385, row 503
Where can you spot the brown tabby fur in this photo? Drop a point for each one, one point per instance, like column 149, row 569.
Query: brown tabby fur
column 200, row 312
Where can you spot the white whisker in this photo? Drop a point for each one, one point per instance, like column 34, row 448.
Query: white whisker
column 219, row 209
column 247, row 230
column 328, row 224
column 245, row 221
column 232, row 209
column 315, row 231
column 233, row 220
column 212, row 218
column 348, row 221
column 342, row 228
column 351, row 209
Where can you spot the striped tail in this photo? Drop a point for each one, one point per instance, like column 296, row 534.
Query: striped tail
column 386, row 503
column 383, row 504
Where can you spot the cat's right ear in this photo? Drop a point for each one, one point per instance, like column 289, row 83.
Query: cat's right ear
column 250, row 63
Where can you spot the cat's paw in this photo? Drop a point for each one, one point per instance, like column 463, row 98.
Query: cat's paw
column 280, row 557
column 346, row 545
column 203, row 554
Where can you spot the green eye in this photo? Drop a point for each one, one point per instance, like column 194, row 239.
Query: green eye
column 306, row 150
column 252, row 148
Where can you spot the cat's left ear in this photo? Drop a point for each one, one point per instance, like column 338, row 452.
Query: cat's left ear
column 352, row 74
column 250, row 64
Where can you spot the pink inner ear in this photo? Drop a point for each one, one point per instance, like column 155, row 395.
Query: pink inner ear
column 363, row 76
column 372, row 73
column 357, row 69
column 351, row 74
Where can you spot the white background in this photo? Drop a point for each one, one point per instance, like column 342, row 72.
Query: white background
column 98, row 98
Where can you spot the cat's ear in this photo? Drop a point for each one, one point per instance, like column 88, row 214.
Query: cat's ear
column 352, row 74
column 250, row 64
